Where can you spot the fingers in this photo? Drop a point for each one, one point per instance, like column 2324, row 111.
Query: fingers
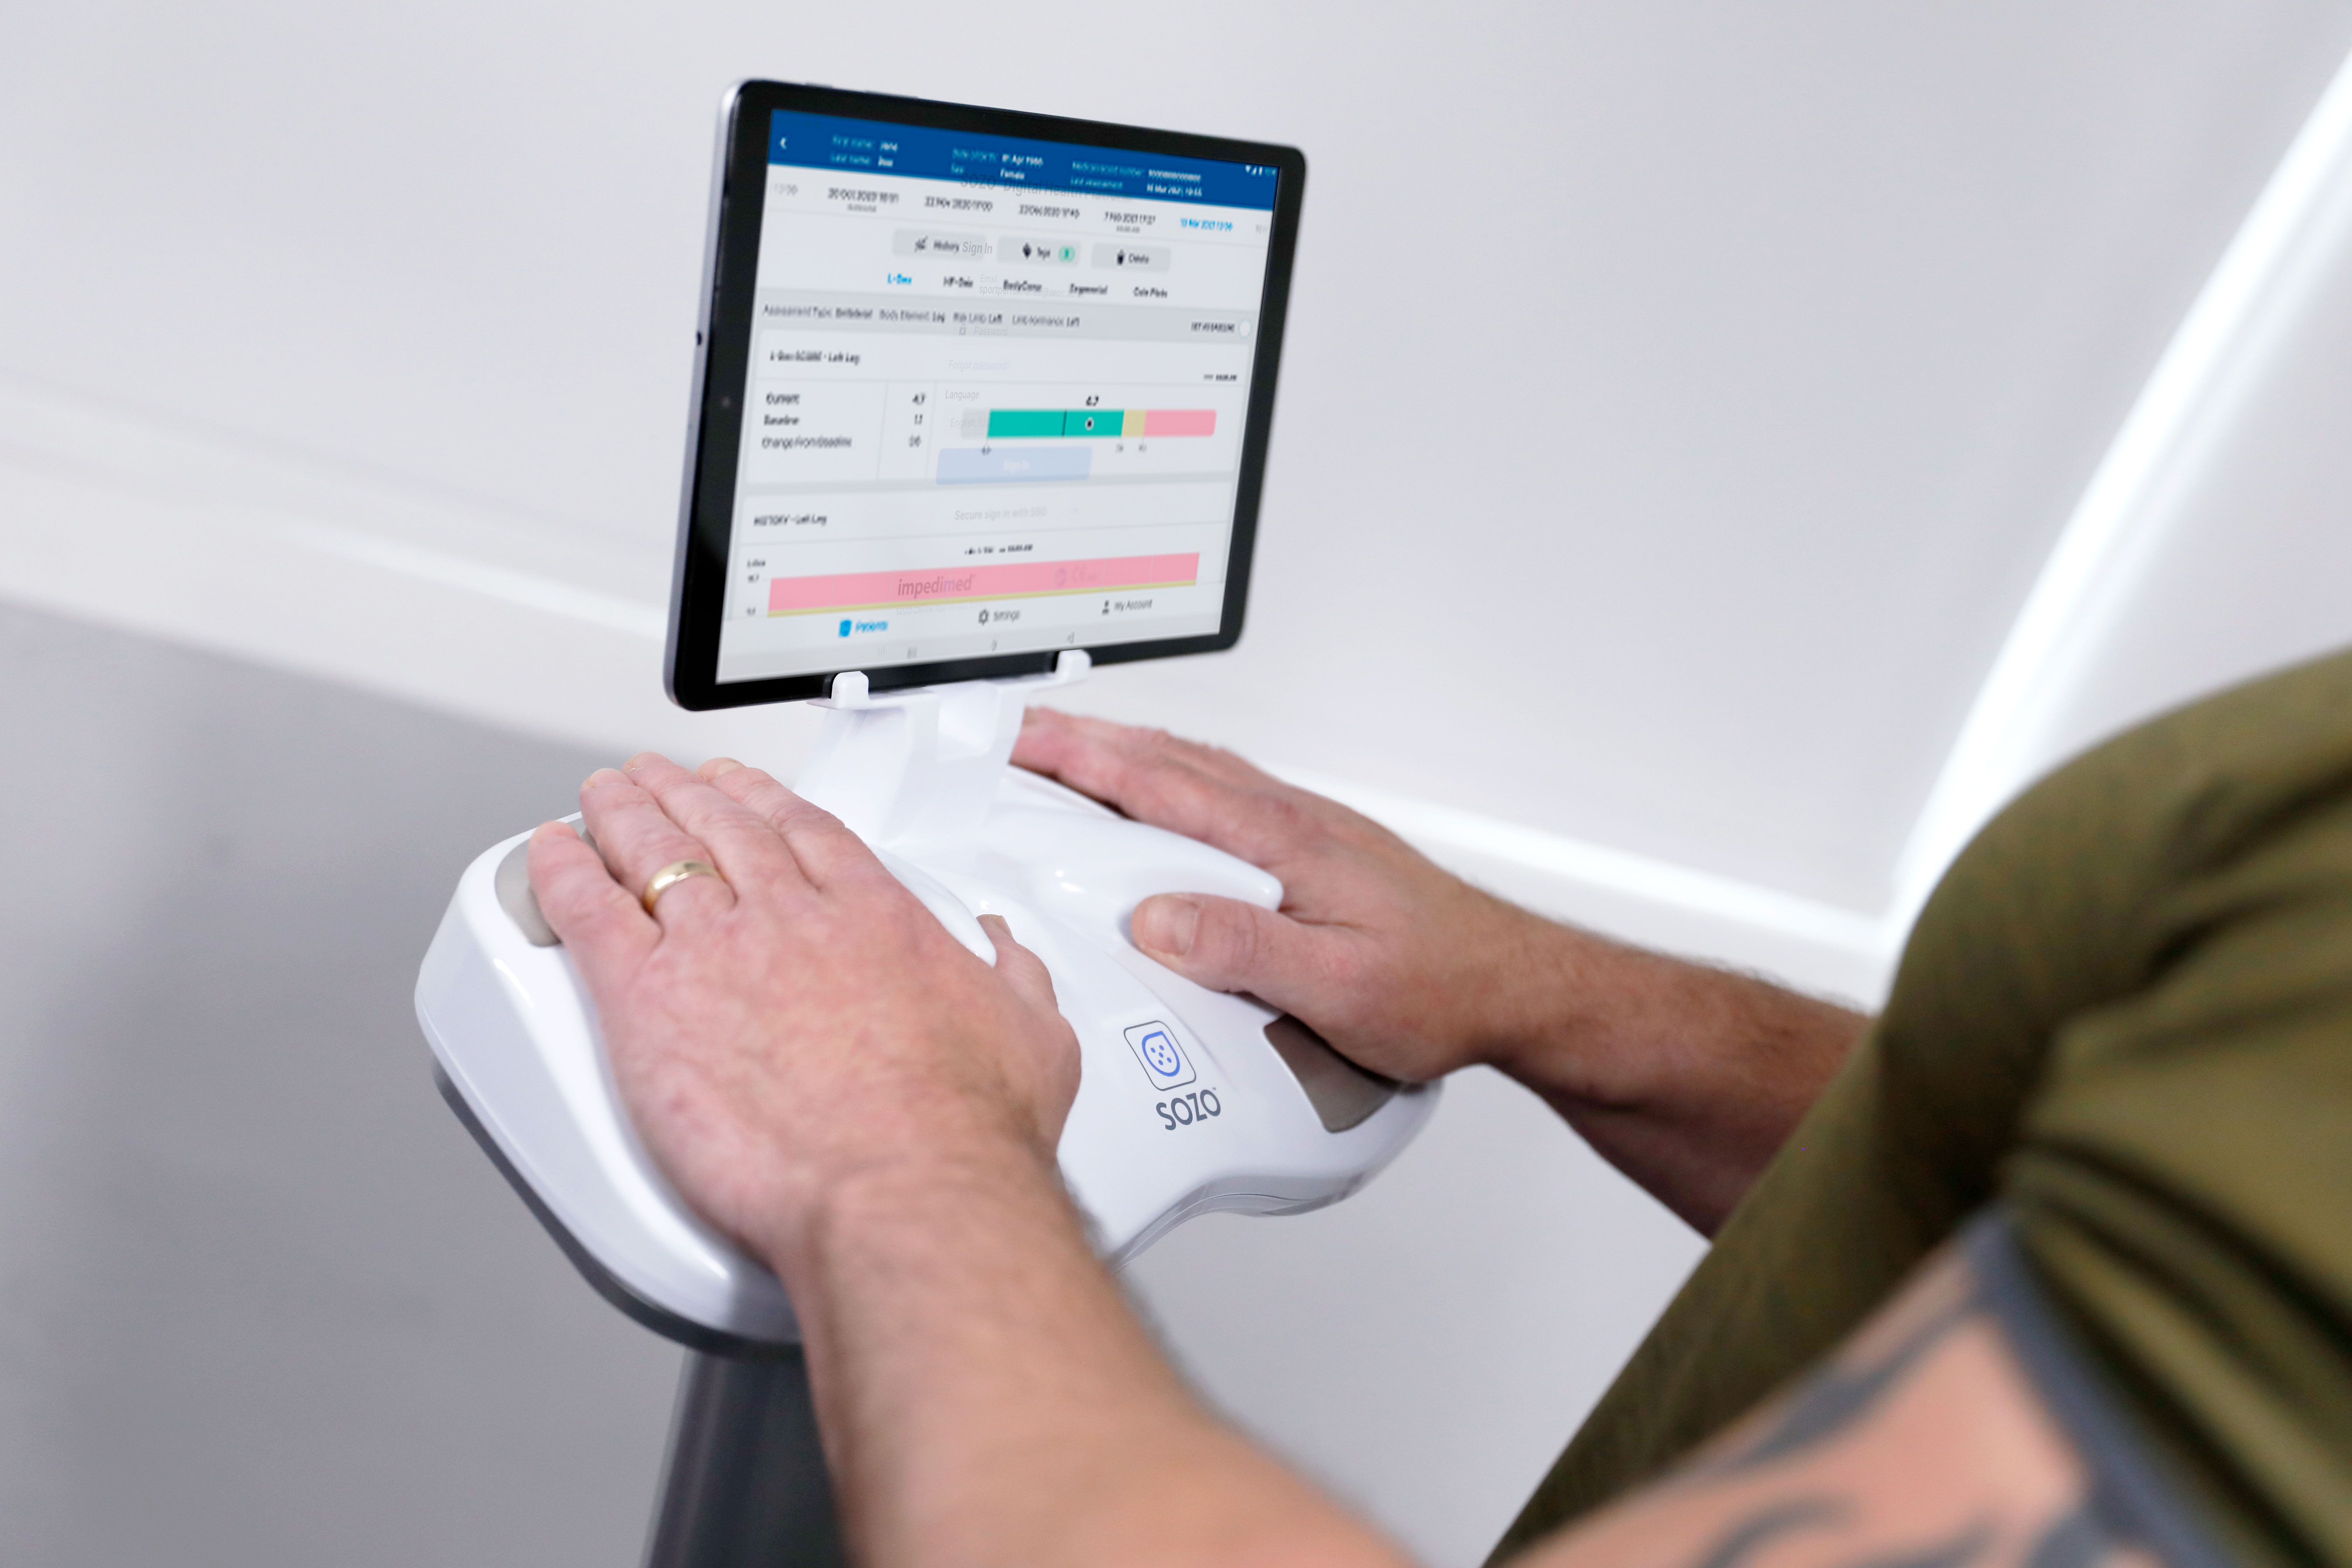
column 1187, row 788
column 1020, row 968
column 825, row 850
column 637, row 838
column 599, row 919
column 1061, row 745
column 1227, row 945
column 741, row 844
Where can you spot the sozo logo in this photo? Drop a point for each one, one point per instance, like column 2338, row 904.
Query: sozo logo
column 1187, row 1109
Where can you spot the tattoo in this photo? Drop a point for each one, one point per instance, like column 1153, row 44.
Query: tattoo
column 1767, row 1525
column 1761, row 1527
column 1834, row 1398
column 1958, row 1553
column 2077, row 1540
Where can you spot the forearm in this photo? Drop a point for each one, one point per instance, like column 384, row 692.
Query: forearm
column 1686, row 1078
column 1924, row 1440
column 987, row 1396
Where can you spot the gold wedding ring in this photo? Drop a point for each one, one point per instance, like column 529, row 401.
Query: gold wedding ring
column 671, row 874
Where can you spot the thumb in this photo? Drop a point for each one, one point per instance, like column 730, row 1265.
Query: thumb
column 1228, row 945
column 1018, row 967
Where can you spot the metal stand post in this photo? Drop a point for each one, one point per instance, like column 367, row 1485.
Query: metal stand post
column 747, row 1486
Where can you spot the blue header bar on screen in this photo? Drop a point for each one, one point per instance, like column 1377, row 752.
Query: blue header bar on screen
column 920, row 152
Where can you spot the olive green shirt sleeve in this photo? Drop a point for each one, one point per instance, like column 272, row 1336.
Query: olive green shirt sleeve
column 2125, row 1016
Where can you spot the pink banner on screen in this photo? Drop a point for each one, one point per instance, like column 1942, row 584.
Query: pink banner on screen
column 954, row 585
column 1180, row 421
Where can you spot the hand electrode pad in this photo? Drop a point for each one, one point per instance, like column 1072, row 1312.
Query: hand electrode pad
column 981, row 400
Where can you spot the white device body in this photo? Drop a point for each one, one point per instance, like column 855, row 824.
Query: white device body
column 1187, row 1103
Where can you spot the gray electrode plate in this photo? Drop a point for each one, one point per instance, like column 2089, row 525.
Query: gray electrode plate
column 1342, row 1093
column 512, row 884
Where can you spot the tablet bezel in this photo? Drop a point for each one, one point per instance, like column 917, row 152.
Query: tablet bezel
column 731, row 267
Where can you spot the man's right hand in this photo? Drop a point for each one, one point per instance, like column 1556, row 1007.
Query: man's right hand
column 1401, row 966
column 1685, row 1078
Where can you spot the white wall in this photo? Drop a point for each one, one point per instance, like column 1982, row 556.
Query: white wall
column 1660, row 487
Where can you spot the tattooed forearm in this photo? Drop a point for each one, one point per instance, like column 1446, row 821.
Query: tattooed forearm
column 1766, row 1526
column 1835, row 1398
column 1956, row 1553
column 2078, row 1538
column 1922, row 1444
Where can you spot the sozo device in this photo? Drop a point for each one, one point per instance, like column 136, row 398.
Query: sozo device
column 982, row 400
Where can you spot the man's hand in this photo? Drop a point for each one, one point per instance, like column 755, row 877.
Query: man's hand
column 1403, row 967
column 1683, row 1076
column 798, row 1020
column 829, row 1077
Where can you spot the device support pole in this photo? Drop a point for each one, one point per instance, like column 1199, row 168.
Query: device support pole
column 746, row 1481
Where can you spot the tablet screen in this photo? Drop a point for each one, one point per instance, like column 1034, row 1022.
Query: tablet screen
column 995, row 399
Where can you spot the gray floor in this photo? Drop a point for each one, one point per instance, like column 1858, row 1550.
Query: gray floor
column 261, row 1301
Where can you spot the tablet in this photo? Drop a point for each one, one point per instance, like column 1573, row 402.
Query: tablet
column 972, row 387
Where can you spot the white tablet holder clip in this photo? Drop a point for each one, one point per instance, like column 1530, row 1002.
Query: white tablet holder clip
column 922, row 764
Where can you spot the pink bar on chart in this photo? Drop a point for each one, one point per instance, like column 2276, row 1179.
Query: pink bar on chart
column 1180, row 421
column 958, row 585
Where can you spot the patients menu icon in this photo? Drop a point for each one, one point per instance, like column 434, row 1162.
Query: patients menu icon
column 1164, row 1059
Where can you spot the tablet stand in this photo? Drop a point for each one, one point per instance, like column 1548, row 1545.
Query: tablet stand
column 922, row 765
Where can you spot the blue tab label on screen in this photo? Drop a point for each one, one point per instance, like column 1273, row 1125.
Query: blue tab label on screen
column 920, row 152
